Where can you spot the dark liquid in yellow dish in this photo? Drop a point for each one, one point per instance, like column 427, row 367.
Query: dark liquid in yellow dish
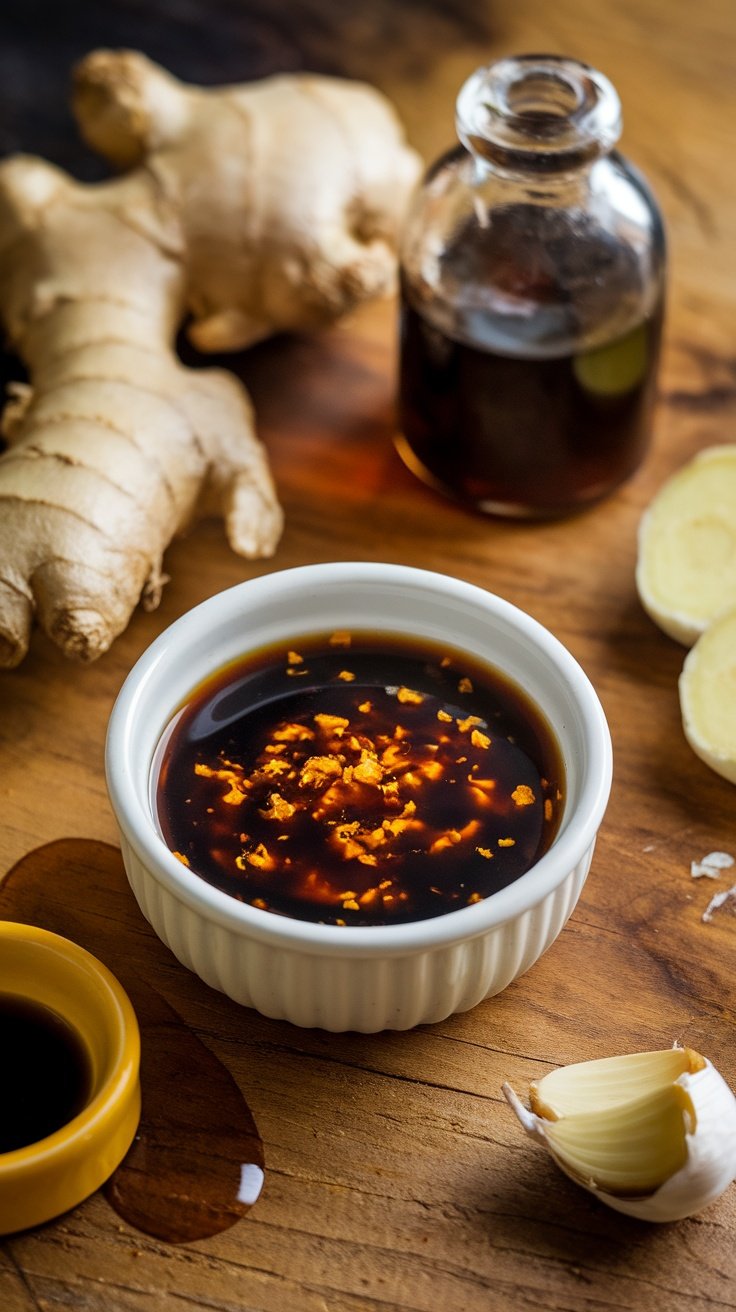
column 358, row 780
column 46, row 1072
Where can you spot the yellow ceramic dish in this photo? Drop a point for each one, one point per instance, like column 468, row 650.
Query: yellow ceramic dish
column 46, row 1178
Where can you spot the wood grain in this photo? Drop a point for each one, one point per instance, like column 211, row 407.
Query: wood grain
column 396, row 1179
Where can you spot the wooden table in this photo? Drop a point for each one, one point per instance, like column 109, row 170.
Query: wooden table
column 396, row 1177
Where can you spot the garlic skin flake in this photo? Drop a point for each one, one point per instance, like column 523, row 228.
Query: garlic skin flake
column 652, row 1134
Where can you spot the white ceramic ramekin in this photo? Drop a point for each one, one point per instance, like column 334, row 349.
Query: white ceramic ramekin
column 343, row 977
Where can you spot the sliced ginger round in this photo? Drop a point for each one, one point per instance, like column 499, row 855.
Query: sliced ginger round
column 686, row 570
column 708, row 696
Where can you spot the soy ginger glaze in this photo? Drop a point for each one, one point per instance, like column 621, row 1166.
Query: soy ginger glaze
column 359, row 779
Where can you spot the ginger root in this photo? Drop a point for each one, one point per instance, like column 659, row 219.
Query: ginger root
column 254, row 209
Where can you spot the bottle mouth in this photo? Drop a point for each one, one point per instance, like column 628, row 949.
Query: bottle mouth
column 544, row 112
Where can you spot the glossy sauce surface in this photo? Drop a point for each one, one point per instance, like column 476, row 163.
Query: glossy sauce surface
column 358, row 779
column 46, row 1073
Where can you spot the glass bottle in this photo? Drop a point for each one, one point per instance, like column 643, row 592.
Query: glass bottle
column 532, row 294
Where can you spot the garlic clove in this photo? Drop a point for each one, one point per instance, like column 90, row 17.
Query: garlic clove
column 651, row 1134
column 609, row 1081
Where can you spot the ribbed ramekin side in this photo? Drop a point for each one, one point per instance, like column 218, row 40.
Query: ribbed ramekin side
column 341, row 993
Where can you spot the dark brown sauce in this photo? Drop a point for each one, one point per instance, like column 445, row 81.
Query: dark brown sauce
column 362, row 780
column 524, row 436
column 196, row 1164
column 47, row 1077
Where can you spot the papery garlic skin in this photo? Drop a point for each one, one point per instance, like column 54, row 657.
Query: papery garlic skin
column 711, row 1156
column 709, row 1125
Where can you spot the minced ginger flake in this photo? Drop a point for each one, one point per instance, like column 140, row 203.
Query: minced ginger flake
column 409, row 697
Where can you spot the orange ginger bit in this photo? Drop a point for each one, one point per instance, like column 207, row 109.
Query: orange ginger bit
column 409, row 697
column 292, row 733
column 296, row 674
column 444, row 841
column 236, row 794
column 259, row 903
column 547, row 808
column 350, row 904
column 465, row 685
column 486, row 785
column 346, row 675
column 367, row 859
column 392, row 755
column 446, row 660
column 352, row 850
column 278, row 809
column 368, row 897
column 432, row 769
column 260, row 857
column 445, row 717
column 293, row 658
column 369, row 770
column 336, row 724
column 340, row 638
column 376, row 838
column 343, row 831
column 209, row 772
column 507, row 842
column 469, row 722
column 410, row 808
column 474, row 897
column 275, row 766
column 400, row 733
column 365, row 708
column 470, row 829
column 184, row 859
column 274, row 749
column 522, row 795
column 479, row 739
column 319, row 770
column 397, row 826
column 485, row 852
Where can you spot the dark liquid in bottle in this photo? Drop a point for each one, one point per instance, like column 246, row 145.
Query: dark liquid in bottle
column 498, row 404
column 524, row 437
column 46, row 1072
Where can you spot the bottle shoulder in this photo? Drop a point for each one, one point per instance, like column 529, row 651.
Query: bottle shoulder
column 516, row 258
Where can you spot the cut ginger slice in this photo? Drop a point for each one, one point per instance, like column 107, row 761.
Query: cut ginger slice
column 708, row 696
column 686, row 569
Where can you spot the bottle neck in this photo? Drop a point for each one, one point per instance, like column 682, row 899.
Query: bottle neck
column 539, row 115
